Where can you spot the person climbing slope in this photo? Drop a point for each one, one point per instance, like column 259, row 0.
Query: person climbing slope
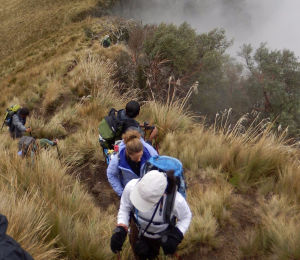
column 143, row 207
column 116, row 123
column 128, row 115
column 17, row 126
column 29, row 146
column 126, row 164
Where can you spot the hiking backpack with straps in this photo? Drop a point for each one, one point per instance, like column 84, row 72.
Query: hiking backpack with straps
column 27, row 146
column 110, row 129
column 164, row 164
column 167, row 163
column 113, row 126
column 9, row 114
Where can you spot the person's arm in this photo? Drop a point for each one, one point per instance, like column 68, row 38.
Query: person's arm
column 18, row 124
column 119, row 235
column 125, row 205
column 183, row 213
column 44, row 142
column 113, row 174
column 153, row 134
column 174, row 235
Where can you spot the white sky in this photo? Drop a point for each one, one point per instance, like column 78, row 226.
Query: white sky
column 276, row 22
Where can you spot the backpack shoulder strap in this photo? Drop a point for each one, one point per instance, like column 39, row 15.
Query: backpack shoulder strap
column 112, row 111
column 169, row 205
column 151, row 220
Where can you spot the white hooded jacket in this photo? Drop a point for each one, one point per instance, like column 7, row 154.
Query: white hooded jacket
column 180, row 210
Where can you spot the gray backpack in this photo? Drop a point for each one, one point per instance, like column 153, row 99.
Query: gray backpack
column 27, row 144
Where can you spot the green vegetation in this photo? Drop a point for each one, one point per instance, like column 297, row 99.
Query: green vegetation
column 273, row 84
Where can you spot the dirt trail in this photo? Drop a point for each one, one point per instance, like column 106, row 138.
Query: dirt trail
column 94, row 178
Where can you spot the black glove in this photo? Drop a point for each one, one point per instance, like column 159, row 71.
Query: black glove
column 117, row 239
column 170, row 240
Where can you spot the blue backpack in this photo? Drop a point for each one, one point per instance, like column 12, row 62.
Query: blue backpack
column 164, row 164
column 167, row 163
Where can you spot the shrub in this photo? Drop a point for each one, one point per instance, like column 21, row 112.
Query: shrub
column 176, row 44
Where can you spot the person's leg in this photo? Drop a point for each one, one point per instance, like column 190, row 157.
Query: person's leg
column 147, row 246
column 154, row 245
column 133, row 237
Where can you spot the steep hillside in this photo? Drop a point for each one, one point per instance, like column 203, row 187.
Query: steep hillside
column 25, row 23
column 242, row 182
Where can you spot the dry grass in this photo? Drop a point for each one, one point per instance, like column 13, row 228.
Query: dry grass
column 82, row 148
column 53, row 96
column 209, row 199
column 277, row 236
column 289, row 181
column 28, row 223
column 69, row 213
column 92, row 75
column 246, row 160
column 170, row 116
column 42, row 129
column 24, row 23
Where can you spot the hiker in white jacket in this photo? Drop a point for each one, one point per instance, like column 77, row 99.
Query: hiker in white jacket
column 144, row 205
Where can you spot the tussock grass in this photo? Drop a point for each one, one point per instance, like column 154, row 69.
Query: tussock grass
column 92, row 75
column 71, row 216
column 82, row 148
column 289, row 181
column 170, row 116
column 209, row 197
column 28, row 223
column 277, row 237
column 53, row 96
column 43, row 129
column 246, row 160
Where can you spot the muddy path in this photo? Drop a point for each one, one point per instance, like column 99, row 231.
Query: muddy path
column 93, row 176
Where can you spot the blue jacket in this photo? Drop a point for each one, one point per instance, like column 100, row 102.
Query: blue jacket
column 119, row 171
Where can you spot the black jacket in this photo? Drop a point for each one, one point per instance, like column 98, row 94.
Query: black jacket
column 9, row 248
column 129, row 123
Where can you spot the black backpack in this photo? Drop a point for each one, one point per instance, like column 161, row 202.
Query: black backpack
column 112, row 127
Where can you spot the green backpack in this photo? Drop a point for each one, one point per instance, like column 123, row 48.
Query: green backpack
column 110, row 129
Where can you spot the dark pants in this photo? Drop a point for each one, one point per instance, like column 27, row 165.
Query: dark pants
column 152, row 244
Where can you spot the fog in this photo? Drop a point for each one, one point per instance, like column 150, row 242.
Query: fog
column 245, row 21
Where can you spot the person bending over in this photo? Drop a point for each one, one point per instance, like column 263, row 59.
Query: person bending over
column 127, row 163
column 143, row 204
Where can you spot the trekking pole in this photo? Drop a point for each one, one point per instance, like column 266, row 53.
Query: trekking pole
column 58, row 154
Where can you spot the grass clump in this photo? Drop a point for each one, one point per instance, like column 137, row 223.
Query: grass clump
column 210, row 213
column 170, row 116
column 277, row 236
column 28, row 223
column 71, row 217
